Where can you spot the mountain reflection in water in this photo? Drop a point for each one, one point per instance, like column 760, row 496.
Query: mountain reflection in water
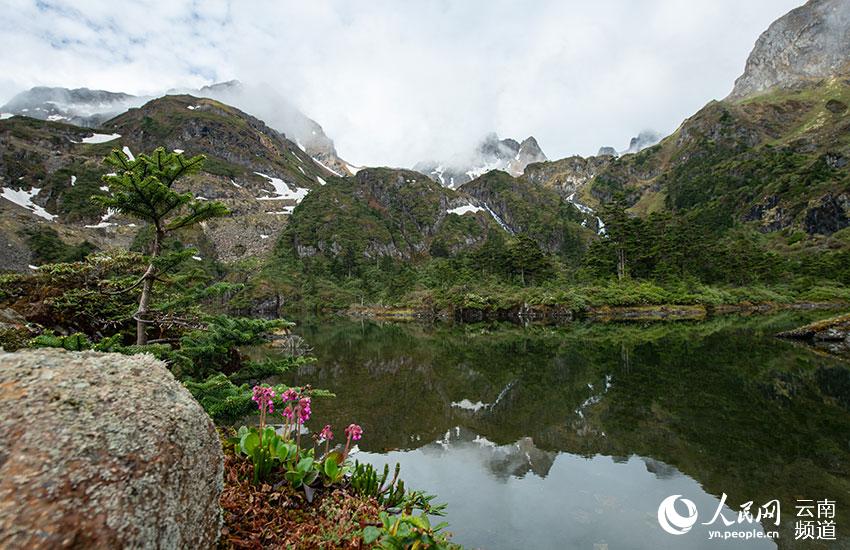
column 562, row 437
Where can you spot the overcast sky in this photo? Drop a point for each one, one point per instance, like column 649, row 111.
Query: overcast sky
column 396, row 82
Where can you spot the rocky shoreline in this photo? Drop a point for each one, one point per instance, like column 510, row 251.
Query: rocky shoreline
column 564, row 314
column 831, row 335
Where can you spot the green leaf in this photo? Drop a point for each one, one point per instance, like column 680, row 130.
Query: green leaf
column 249, row 442
column 371, row 534
column 336, row 455
column 311, row 477
column 404, row 529
column 294, row 478
column 421, row 522
column 331, row 467
column 304, row 465
column 284, row 450
column 270, row 437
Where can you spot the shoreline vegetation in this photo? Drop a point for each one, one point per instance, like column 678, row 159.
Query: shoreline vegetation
column 642, row 313
column 665, row 311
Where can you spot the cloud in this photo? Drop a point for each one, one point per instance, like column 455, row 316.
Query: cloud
column 393, row 83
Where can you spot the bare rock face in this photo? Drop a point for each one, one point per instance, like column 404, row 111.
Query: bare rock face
column 492, row 153
column 101, row 450
column 809, row 42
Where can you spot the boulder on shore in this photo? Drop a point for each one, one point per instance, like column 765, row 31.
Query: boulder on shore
column 833, row 329
column 101, row 450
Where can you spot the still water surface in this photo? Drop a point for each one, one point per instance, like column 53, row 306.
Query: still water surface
column 570, row 437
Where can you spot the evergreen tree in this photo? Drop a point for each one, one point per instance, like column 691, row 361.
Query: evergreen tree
column 527, row 259
column 143, row 188
column 619, row 232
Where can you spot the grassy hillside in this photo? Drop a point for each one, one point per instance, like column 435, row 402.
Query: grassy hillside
column 777, row 163
column 61, row 166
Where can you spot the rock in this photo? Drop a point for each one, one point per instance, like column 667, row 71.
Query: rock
column 835, row 328
column 808, row 43
column 772, row 216
column 607, row 151
column 828, row 215
column 836, row 107
column 646, row 138
column 568, row 176
column 528, row 152
column 102, row 450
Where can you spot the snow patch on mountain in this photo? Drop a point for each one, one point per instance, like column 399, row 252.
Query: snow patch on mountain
column 584, row 209
column 100, row 138
column 286, row 211
column 465, row 209
column 282, row 190
column 326, row 167
column 24, row 199
column 104, row 220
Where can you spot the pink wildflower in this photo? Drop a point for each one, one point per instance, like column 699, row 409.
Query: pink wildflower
column 264, row 398
column 304, row 409
column 326, row 433
column 289, row 395
column 353, row 431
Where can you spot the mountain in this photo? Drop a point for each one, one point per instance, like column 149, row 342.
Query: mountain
column 776, row 162
column 49, row 170
column 491, row 154
column 80, row 106
column 772, row 157
column 809, row 43
column 279, row 113
column 774, row 166
column 646, row 138
column 90, row 108
column 401, row 214
column 381, row 212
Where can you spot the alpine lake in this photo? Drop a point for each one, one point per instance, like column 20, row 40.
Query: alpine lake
column 571, row 436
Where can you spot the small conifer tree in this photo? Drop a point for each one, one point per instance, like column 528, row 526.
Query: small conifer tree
column 143, row 188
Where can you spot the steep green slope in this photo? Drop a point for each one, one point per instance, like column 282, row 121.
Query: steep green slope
column 382, row 212
column 538, row 212
column 775, row 162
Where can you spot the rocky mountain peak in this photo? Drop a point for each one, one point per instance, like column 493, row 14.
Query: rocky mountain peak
column 529, row 151
column 646, row 138
column 78, row 106
column 92, row 108
column 811, row 42
column 492, row 153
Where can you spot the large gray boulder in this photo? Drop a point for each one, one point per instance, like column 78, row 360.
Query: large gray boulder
column 101, row 450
